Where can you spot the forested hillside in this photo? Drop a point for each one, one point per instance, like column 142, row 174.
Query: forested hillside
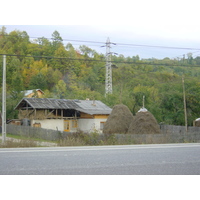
column 62, row 71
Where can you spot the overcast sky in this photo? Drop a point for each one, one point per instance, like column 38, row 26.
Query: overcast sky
column 171, row 23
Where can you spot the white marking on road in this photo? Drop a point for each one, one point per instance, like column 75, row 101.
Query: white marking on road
column 97, row 148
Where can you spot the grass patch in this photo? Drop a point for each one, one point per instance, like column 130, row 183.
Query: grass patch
column 19, row 143
column 15, row 141
column 21, row 137
column 92, row 139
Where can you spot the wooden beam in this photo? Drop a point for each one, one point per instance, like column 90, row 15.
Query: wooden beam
column 50, row 113
column 62, row 113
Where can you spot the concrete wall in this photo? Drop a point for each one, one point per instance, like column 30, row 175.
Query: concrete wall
column 53, row 124
column 85, row 125
column 171, row 129
column 89, row 125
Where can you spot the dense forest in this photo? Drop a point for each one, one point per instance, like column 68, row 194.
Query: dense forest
column 62, row 71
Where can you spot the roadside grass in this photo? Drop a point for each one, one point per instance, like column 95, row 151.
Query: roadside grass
column 25, row 138
column 85, row 139
column 17, row 141
column 92, row 139
column 76, row 139
column 80, row 139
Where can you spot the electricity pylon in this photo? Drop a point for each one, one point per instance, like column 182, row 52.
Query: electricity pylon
column 108, row 81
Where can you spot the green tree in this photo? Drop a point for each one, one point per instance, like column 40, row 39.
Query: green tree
column 3, row 39
column 52, row 77
column 38, row 81
column 13, row 64
column 56, row 40
column 60, row 89
column 86, row 51
column 17, row 43
column 17, row 82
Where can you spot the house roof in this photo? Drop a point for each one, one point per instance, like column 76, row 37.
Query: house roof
column 27, row 92
column 87, row 106
column 93, row 107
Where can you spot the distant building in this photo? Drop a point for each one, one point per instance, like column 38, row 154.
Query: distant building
column 33, row 93
column 64, row 115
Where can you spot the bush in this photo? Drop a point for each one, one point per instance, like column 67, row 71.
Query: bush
column 90, row 139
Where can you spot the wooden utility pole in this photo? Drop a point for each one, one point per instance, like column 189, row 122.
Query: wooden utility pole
column 184, row 102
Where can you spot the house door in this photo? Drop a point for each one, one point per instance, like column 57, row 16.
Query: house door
column 66, row 125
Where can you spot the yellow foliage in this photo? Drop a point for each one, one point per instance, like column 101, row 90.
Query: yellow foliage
column 33, row 69
column 44, row 70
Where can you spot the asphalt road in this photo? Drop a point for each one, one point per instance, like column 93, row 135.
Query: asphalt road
column 152, row 159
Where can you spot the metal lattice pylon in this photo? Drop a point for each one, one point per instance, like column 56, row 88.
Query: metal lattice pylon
column 108, row 81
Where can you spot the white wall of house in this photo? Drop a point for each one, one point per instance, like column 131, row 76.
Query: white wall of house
column 86, row 125
column 89, row 125
column 54, row 124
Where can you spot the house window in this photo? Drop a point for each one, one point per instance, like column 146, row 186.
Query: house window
column 74, row 124
column 102, row 125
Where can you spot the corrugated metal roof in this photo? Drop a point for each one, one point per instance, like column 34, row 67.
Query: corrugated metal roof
column 93, row 107
column 86, row 106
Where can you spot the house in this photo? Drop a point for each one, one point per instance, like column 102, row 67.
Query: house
column 63, row 115
column 33, row 93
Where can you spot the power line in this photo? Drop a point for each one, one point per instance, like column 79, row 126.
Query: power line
column 95, row 60
column 85, row 41
column 154, row 46
column 119, row 44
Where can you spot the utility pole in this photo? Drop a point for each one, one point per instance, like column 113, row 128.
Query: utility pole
column 184, row 102
column 108, row 81
column 4, row 101
column 143, row 102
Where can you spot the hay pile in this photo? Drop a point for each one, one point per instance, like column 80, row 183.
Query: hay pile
column 119, row 120
column 144, row 123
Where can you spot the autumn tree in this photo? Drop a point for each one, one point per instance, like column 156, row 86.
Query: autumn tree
column 60, row 89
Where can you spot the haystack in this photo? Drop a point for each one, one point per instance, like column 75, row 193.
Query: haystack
column 144, row 123
column 119, row 120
